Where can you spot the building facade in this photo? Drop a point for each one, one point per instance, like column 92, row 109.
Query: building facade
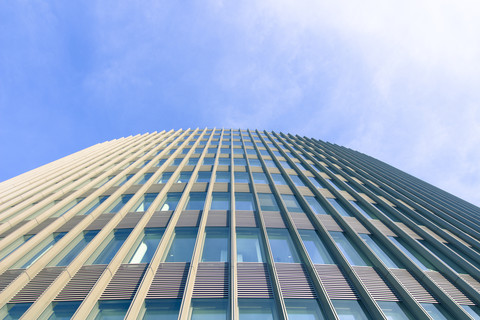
column 233, row 224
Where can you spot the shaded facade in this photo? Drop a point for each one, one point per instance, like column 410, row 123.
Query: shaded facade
column 233, row 224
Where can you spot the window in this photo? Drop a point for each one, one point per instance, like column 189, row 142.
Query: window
column 94, row 206
column 208, row 161
column 349, row 310
column 442, row 257
column 260, row 177
column 316, row 183
column 177, row 161
column 285, row 165
column 209, row 309
column 120, row 203
column 244, row 201
column 111, row 309
column 417, row 258
column 68, row 207
column 63, row 309
column 111, row 248
column 74, row 248
column 16, row 310
column 170, row 202
column 301, row 309
column 349, row 249
column 184, row 176
column 216, row 247
column 198, row 151
column 278, row 179
column 255, row 163
column 224, row 161
column 360, row 207
column 256, row 309
column 240, row 162
column 316, row 249
column 291, row 203
column 264, row 153
column 181, row 248
column 165, row 176
column 249, row 245
column 436, row 311
column 333, row 184
column 340, row 209
column 167, row 309
column 473, row 311
column 270, row 164
column 222, row 176
column 144, row 163
column 204, row 176
column 196, row 201
column 395, row 310
column 225, row 150
column 250, row 151
column 297, row 181
column 146, row 202
column 192, row 161
column 315, row 205
column 385, row 212
column 238, row 151
column 161, row 161
column 388, row 259
column 268, row 202
column 147, row 247
column 40, row 250
column 127, row 177
column 241, row 177
column 282, row 246
column 220, row 201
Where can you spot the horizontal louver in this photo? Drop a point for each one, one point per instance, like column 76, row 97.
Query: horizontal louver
column 374, row 283
column 159, row 219
column 356, row 225
column 217, row 218
column 416, row 290
column 211, row 280
column 335, row 283
column 433, row 234
column 37, row 285
column 457, row 238
column 100, row 222
column 190, row 218
column 129, row 221
column 273, row 219
column 41, row 226
column 471, row 281
column 383, row 228
column 447, row 287
column 70, row 224
column 125, row 282
column 409, row 231
column 294, row 281
column 82, row 282
column 8, row 276
column 245, row 219
column 301, row 220
column 328, row 222
column 253, row 280
column 13, row 228
column 169, row 280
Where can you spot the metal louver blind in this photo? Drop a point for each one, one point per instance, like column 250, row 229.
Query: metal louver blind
column 211, row 280
column 416, row 290
column 8, row 276
column 356, row 225
column 37, row 285
column 100, row 222
column 447, row 287
column 409, row 231
column 129, row 221
column 471, row 281
column 41, row 226
column 273, row 219
column 70, row 224
column 13, row 228
column 457, row 238
column 217, row 218
column 294, row 281
column 125, row 282
column 335, row 283
column 375, row 285
column 82, row 282
column 169, row 280
column 245, row 219
column 328, row 222
column 253, row 280
column 159, row 219
column 383, row 228
column 301, row 220
column 189, row 218
column 433, row 234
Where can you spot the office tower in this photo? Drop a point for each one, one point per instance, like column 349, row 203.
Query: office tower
column 233, row 224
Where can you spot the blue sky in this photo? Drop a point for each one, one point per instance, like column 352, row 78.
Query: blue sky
column 398, row 80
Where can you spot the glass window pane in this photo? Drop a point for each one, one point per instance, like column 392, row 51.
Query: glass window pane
column 120, row 203
column 278, row 179
column 16, row 310
column 349, row 310
column 72, row 253
column 270, row 164
column 193, row 161
column 362, row 209
column 170, row 202
column 64, row 310
column 418, row 259
column 388, row 259
column 285, row 165
column 204, row 176
column 112, row 310
column 181, row 248
column 209, row 161
column 442, row 257
column 145, row 178
column 220, row 201
column 303, row 309
column 241, row 177
column 216, row 247
column 255, row 162
column 165, row 176
column 127, row 177
column 316, row 183
column 260, row 177
column 282, row 246
column 111, row 249
column 244, row 201
column 473, row 311
column 147, row 247
column 315, row 205
column 333, row 184
column 268, row 202
column 349, row 250
column 436, row 311
column 196, row 201
column 291, row 203
column 222, row 176
column 249, row 245
column 316, row 249
column 146, row 202
column 184, row 176
column 395, row 310
column 297, row 181
column 257, row 309
column 209, row 309
column 165, row 309
column 224, row 161
column 95, row 205
column 340, row 209
column 41, row 249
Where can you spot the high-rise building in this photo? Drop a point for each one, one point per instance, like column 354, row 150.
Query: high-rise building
column 233, row 224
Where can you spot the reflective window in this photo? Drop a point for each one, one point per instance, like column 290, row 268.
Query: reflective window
column 267, row 202
column 333, row 184
column 270, row 164
column 224, row 161
column 209, row 309
column 443, row 257
column 94, row 206
column 145, row 178
column 68, row 207
column 278, row 179
column 303, row 309
column 147, row 247
column 40, row 250
column 360, row 207
column 285, row 165
column 170, row 202
column 209, row 161
column 127, row 177
column 192, row 161
column 250, row 151
column 241, row 177
column 181, row 248
column 282, row 246
column 64, row 310
column 244, row 201
column 382, row 253
column 473, row 311
column 297, row 181
column 222, row 176
column 120, row 203
column 340, row 209
column 240, row 162
column 315, row 205
column 259, row 177
column 216, row 247
column 249, row 245
column 74, row 248
column 144, row 163
column 349, row 310
column 238, row 151
column 225, row 150
column 196, row 201
column 146, row 202
column 256, row 309
column 184, row 176
column 112, row 309
column 204, row 176
column 112, row 247
column 165, row 309
column 395, row 310
column 416, row 257
column 165, row 176
column 316, row 183
column 316, row 249
column 255, row 162
column 16, row 310
column 291, row 203
column 220, row 201
column 436, row 311
column 385, row 212
column 349, row 249
column 161, row 161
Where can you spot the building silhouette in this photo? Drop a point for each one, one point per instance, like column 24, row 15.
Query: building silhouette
column 233, row 224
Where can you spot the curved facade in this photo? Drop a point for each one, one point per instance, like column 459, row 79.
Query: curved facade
column 233, row 224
